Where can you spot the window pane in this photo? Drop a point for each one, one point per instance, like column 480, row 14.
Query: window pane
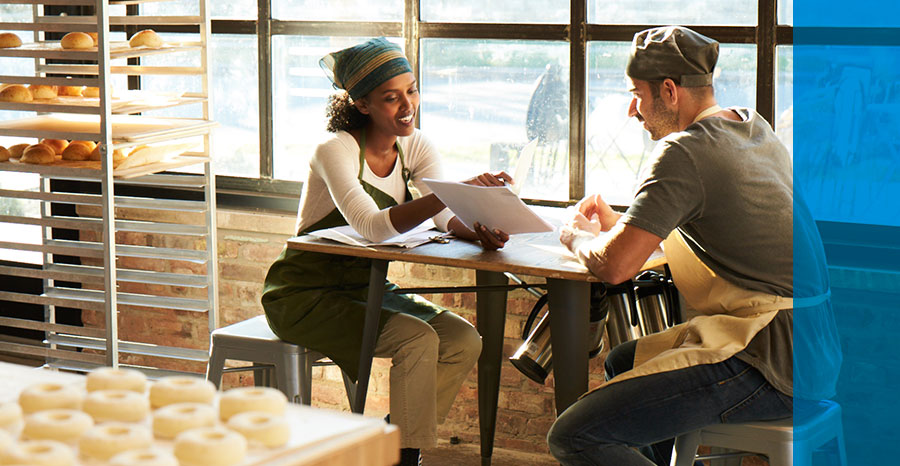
column 17, row 232
column 617, row 147
column 301, row 92
column 232, row 9
column 730, row 12
column 18, row 14
column 784, row 95
column 477, row 96
column 338, row 10
column 234, row 98
column 786, row 12
column 502, row 11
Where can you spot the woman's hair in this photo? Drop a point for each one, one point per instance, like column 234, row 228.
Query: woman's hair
column 342, row 114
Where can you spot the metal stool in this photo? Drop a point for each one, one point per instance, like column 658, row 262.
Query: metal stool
column 782, row 441
column 252, row 340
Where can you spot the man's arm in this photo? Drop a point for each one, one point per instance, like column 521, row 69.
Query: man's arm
column 613, row 257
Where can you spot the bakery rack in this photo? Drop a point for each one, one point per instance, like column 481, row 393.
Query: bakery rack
column 109, row 279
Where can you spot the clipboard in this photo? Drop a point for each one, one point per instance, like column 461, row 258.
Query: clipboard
column 496, row 207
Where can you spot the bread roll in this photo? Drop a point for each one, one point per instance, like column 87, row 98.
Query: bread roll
column 74, row 91
column 38, row 153
column 77, row 40
column 146, row 38
column 118, row 155
column 43, row 91
column 4, row 154
column 90, row 92
column 16, row 93
column 78, row 150
column 93, row 37
column 58, row 145
column 17, row 150
column 9, row 40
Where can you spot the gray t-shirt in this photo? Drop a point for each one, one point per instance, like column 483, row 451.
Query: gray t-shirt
column 728, row 186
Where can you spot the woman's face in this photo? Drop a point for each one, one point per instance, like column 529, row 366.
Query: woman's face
column 392, row 106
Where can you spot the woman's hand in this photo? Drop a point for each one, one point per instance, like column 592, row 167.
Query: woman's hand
column 490, row 179
column 594, row 208
column 490, row 240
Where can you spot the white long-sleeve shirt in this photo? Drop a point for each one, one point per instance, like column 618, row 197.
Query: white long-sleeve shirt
column 333, row 183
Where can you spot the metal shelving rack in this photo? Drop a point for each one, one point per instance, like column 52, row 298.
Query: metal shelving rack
column 76, row 347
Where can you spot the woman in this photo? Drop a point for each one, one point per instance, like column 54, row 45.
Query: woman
column 364, row 176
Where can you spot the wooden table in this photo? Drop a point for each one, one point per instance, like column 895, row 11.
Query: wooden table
column 319, row 437
column 541, row 255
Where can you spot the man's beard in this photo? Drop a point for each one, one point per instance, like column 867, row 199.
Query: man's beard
column 664, row 122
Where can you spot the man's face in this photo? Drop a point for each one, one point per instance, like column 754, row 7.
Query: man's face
column 658, row 118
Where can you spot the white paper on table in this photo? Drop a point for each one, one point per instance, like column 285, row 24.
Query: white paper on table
column 347, row 235
column 495, row 207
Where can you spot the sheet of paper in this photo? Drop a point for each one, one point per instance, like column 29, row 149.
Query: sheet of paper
column 412, row 238
column 495, row 207
column 523, row 165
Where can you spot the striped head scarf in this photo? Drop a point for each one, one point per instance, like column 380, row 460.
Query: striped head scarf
column 362, row 68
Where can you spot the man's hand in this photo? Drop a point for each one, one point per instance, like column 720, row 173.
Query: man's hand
column 595, row 208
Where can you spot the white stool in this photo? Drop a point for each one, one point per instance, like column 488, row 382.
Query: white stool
column 780, row 441
column 253, row 341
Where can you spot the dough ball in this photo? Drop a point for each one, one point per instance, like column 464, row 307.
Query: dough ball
column 116, row 405
column 58, row 145
column 9, row 40
column 267, row 429
column 39, row 453
column 43, row 91
column 181, row 389
column 5, row 154
column 16, row 93
column 107, row 378
column 238, row 400
column 146, row 38
column 49, row 395
column 210, row 446
column 77, row 40
column 71, row 91
column 17, row 150
column 63, row 425
column 145, row 457
column 171, row 420
column 107, row 440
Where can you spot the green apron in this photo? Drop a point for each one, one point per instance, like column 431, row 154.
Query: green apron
column 318, row 300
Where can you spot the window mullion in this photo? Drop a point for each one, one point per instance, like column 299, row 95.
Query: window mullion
column 577, row 98
column 266, row 127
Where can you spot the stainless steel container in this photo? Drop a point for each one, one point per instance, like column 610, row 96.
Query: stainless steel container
column 622, row 323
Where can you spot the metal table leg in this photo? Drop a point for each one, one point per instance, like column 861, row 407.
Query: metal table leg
column 370, row 332
column 569, row 307
column 491, row 316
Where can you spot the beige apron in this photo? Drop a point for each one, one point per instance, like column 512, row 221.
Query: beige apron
column 730, row 317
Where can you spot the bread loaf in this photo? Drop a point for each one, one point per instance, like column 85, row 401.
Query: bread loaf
column 73, row 91
column 17, row 150
column 76, row 40
column 118, row 155
column 38, row 153
column 90, row 92
column 9, row 40
column 58, row 145
column 79, row 150
column 16, row 93
column 4, row 154
column 146, row 38
column 93, row 37
column 43, row 91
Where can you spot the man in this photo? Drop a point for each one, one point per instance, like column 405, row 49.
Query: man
column 719, row 197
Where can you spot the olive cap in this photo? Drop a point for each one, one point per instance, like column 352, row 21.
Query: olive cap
column 674, row 52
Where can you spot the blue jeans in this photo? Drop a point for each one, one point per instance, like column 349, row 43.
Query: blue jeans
column 634, row 422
